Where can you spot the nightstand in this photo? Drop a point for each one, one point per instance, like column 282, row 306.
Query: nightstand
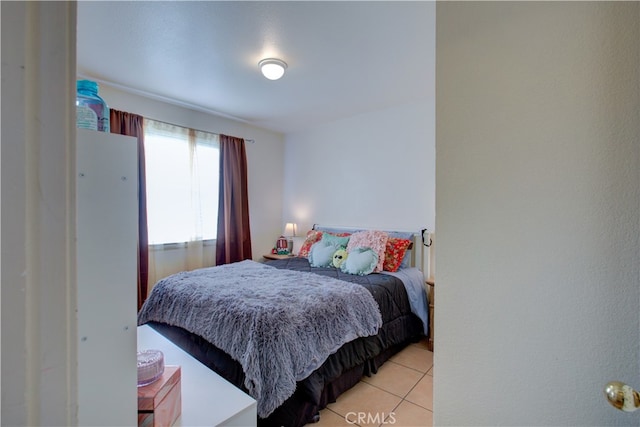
column 276, row 256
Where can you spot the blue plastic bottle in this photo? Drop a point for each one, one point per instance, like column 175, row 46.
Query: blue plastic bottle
column 91, row 110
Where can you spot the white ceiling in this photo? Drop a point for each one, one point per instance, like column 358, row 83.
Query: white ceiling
column 344, row 58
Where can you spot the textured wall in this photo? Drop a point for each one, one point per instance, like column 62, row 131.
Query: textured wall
column 537, row 211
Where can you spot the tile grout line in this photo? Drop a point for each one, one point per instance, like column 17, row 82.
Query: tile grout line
column 404, row 399
column 412, row 388
column 409, row 367
column 396, row 395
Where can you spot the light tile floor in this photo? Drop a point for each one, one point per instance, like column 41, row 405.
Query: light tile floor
column 399, row 395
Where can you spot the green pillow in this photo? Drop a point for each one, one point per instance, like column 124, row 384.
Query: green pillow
column 335, row 241
column 361, row 261
column 321, row 254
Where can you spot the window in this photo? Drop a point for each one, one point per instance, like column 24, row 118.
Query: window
column 182, row 173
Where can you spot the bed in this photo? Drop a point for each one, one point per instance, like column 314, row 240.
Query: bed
column 388, row 312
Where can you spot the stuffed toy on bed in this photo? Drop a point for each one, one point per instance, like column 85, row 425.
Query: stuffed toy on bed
column 339, row 257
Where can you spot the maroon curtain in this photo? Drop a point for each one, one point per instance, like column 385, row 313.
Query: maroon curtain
column 234, row 236
column 131, row 124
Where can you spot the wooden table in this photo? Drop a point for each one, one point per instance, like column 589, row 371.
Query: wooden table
column 276, row 256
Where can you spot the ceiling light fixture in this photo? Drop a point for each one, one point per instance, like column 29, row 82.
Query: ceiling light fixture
column 272, row 68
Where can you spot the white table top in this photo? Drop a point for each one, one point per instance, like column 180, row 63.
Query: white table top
column 207, row 398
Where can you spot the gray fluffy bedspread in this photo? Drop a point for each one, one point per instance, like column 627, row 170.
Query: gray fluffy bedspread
column 279, row 325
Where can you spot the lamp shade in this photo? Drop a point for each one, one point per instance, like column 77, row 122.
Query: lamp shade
column 290, row 229
column 272, row 68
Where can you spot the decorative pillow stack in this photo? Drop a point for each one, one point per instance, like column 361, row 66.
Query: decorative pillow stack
column 376, row 240
column 360, row 261
column 321, row 253
column 369, row 251
column 314, row 236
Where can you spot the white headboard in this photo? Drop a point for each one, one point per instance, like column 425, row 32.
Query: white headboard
column 423, row 255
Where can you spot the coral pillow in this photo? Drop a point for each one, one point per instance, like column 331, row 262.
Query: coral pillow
column 376, row 240
column 394, row 253
column 313, row 236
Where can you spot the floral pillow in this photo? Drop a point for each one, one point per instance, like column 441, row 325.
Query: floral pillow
column 394, row 253
column 313, row 236
column 376, row 240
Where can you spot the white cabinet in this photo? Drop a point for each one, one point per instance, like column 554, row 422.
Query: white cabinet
column 207, row 398
column 107, row 235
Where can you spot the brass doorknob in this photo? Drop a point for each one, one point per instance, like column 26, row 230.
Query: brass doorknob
column 622, row 396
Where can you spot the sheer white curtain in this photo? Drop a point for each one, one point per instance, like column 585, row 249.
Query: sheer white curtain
column 182, row 197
